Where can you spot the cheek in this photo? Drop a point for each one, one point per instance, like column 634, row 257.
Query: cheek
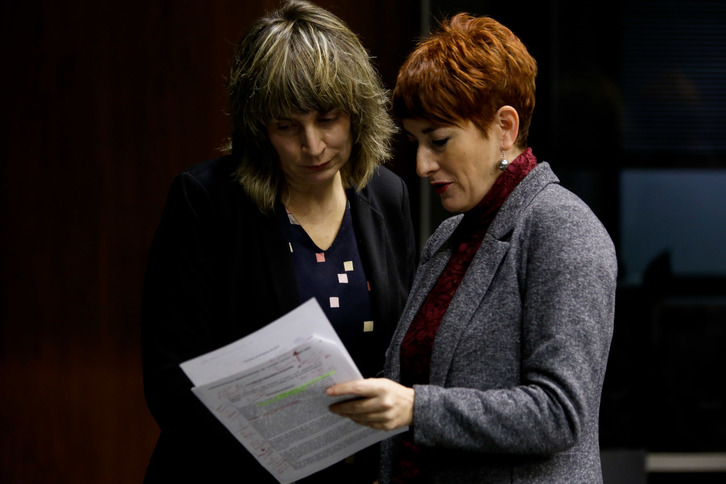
column 476, row 178
column 275, row 142
column 345, row 144
column 282, row 146
column 345, row 136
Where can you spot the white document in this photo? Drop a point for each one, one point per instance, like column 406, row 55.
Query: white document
column 268, row 389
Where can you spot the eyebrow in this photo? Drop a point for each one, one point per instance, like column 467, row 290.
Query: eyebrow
column 295, row 116
column 424, row 131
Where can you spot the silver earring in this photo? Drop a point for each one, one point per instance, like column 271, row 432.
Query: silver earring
column 503, row 163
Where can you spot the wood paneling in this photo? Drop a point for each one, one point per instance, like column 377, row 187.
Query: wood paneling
column 103, row 102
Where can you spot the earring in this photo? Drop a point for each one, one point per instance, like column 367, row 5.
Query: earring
column 503, row 163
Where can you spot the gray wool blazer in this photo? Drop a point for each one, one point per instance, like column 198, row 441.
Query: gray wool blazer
column 519, row 359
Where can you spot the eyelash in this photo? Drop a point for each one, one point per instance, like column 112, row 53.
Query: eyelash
column 326, row 119
column 440, row 142
column 437, row 143
column 329, row 118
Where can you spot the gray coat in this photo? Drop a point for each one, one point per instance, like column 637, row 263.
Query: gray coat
column 519, row 359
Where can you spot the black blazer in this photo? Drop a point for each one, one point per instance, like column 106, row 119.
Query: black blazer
column 218, row 270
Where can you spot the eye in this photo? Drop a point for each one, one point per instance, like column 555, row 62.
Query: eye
column 328, row 118
column 283, row 125
column 439, row 142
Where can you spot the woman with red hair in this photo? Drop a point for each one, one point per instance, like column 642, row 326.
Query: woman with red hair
column 499, row 357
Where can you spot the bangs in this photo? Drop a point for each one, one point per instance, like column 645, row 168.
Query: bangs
column 425, row 89
column 303, row 73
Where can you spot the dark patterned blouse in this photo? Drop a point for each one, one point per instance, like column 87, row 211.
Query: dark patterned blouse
column 335, row 277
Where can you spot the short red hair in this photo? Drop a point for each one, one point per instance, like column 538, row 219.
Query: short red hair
column 467, row 70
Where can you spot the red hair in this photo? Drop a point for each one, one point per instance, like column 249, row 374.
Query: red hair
column 467, row 70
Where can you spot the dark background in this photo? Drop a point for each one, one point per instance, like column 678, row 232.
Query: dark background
column 103, row 102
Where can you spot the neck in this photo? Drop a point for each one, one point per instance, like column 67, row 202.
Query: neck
column 319, row 199
column 514, row 152
column 319, row 210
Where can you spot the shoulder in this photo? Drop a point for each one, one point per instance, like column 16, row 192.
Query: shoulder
column 209, row 187
column 384, row 191
column 558, row 229
column 557, row 209
column 383, row 184
column 540, row 204
column 213, row 175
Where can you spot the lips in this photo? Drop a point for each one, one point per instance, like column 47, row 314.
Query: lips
column 318, row 167
column 440, row 188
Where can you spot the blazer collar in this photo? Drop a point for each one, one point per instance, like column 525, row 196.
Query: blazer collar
column 520, row 198
column 277, row 258
column 541, row 176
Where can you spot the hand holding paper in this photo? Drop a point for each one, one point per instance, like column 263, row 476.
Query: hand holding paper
column 383, row 403
column 269, row 390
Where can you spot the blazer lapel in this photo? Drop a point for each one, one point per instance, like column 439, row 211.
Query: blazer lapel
column 463, row 306
column 480, row 274
column 271, row 249
column 368, row 226
column 428, row 271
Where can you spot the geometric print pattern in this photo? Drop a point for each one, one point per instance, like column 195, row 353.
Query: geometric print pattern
column 334, row 276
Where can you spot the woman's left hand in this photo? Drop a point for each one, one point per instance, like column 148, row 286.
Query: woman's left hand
column 382, row 404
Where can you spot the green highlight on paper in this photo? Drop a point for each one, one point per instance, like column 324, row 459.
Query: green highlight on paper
column 294, row 390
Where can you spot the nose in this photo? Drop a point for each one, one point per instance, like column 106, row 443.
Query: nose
column 425, row 163
column 312, row 141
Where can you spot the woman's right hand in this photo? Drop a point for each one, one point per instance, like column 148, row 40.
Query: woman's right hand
column 382, row 404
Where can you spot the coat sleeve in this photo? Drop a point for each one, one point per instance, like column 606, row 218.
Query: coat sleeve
column 563, row 272
column 181, row 302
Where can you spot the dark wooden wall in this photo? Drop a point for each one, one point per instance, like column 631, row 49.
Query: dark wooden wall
column 102, row 103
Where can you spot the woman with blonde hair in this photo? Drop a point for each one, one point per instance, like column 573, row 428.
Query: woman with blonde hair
column 301, row 207
column 498, row 361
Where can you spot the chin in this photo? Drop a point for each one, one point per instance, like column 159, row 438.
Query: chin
column 452, row 208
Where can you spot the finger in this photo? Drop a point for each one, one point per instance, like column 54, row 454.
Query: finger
column 354, row 407
column 339, row 389
column 363, row 388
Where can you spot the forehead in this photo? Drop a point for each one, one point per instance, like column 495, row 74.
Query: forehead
column 419, row 126
column 308, row 115
column 285, row 103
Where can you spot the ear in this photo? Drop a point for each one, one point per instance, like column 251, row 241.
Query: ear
column 507, row 119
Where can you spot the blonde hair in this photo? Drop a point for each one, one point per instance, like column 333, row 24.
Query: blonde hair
column 298, row 59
